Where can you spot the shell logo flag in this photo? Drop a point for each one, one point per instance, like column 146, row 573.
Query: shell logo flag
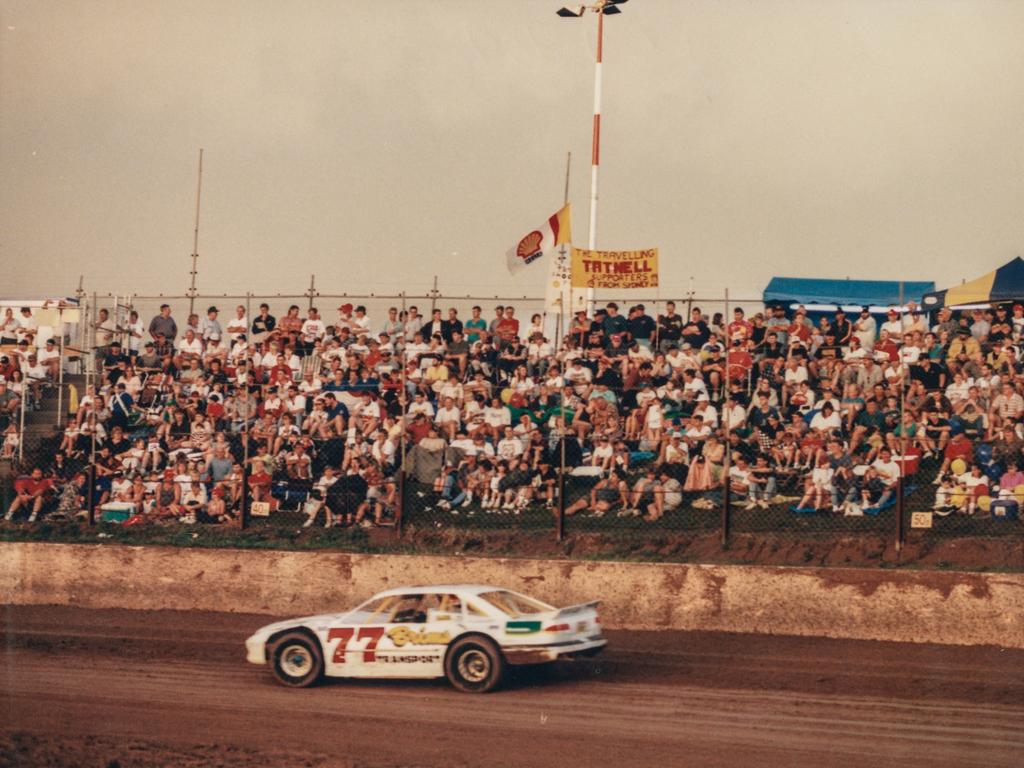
column 555, row 231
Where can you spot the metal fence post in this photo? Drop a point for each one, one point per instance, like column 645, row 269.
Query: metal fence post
column 726, row 511
column 243, row 512
column 400, row 507
column 311, row 293
column 900, row 533
column 91, row 498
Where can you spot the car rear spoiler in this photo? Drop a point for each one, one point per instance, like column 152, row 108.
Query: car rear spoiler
column 572, row 610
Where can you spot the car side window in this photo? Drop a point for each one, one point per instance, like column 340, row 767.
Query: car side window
column 409, row 609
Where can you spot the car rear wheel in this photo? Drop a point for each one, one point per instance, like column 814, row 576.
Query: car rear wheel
column 474, row 665
column 296, row 660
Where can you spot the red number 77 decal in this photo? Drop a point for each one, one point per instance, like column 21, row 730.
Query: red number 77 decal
column 344, row 634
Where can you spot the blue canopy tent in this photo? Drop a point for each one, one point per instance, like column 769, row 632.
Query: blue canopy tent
column 820, row 295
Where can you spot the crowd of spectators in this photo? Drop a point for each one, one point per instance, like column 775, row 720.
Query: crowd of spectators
column 657, row 410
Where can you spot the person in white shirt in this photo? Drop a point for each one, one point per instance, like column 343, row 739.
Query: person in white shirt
column 826, row 420
column 318, row 500
column 313, row 329
column 49, row 357
column 893, row 326
column 135, row 330
column 421, row 405
column 189, row 348
column 959, row 389
column 193, row 500
column 496, row 418
column 706, row 411
column 865, row 329
column 888, row 470
column 603, row 453
column 27, row 324
column 238, row 326
column 415, row 348
column 367, row 414
column 481, row 448
column 818, row 490
column 509, row 447
column 909, row 354
column 579, row 376
column 448, row 418
column 412, row 324
column 360, row 322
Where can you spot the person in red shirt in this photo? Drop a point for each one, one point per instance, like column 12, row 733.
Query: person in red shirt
column 739, row 328
column 259, row 483
column 738, row 360
column 508, row 327
column 419, row 428
column 959, row 447
column 30, row 493
column 886, row 345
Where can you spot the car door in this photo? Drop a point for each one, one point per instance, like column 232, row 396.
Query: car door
column 403, row 636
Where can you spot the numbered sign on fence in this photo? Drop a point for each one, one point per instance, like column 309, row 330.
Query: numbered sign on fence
column 920, row 519
column 260, row 509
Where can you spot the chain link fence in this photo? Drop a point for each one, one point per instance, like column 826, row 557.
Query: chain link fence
column 59, row 462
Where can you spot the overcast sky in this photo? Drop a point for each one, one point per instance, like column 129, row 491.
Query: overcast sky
column 381, row 142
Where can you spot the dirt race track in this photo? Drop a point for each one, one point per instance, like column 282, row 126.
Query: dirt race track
column 121, row 688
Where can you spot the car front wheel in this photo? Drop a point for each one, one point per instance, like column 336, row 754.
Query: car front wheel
column 296, row 660
column 474, row 665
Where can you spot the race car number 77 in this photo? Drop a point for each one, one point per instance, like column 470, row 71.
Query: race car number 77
column 345, row 634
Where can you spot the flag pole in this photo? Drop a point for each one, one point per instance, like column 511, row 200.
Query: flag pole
column 563, row 316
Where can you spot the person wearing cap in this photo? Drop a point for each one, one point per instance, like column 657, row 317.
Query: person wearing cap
column 865, row 329
column 893, row 326
column 345, row 319
column 963, row 348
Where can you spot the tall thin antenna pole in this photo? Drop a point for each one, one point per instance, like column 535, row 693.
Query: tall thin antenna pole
column 904, row 375
column 195, row 237
column 727, row 463
column 595, row 151
column 399, row 352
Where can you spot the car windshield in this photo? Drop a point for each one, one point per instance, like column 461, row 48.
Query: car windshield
column 515, row 604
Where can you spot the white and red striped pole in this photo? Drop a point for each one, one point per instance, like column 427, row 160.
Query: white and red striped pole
column 595, row 150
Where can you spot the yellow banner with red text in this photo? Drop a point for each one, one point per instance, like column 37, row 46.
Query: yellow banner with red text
column 615, row 269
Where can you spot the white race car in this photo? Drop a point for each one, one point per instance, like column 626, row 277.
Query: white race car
column 467, row 633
